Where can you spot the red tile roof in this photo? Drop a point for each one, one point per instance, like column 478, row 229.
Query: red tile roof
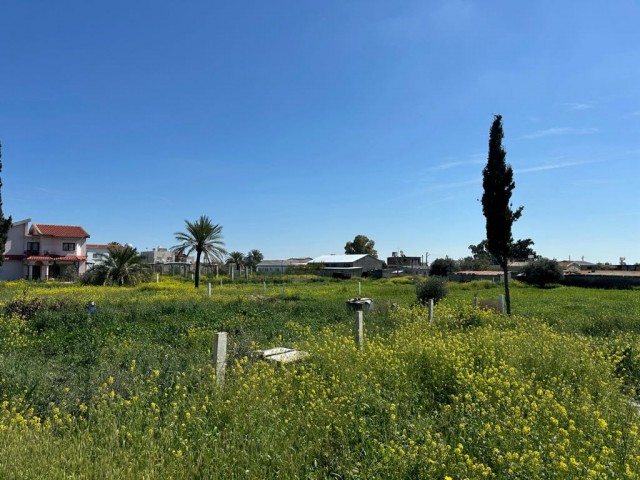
column 98, row 246
column 66, row 258
column 66, row 231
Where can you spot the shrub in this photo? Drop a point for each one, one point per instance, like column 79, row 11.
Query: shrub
column 433, row 288
column 442, row 267
column 542, row 272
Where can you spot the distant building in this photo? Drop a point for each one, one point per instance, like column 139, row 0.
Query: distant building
column 347, row 266
column 280, row 266
column 43, row 251
column 96, row 254
column 161, row 255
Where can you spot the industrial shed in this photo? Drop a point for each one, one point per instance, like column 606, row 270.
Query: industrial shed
column 347, row 266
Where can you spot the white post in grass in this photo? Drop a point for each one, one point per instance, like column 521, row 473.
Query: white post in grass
column 157, row 278
column 209, row 288
column 501, row 303
column 220, row 355
column 431, row 310
column 359, row 289
column 284, row 290
column 216, row 270
column 358, row 328
column 475, row 300
column 233, row 274
column 264, row 285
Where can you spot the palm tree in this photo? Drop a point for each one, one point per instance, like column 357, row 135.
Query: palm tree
column 253, row 258
column 237, row 258
column 123, row 266
column 205, row 238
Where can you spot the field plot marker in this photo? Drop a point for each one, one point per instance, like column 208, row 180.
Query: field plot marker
column 220, row 355
column 431, row 310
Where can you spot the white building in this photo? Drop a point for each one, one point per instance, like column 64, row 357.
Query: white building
column 43, row 251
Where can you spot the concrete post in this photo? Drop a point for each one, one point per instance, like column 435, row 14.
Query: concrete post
column 264, row 285
column 216, row 270
column 475, row 300
column 209, row 288
column 359, row 289
column 220, row 355
column 358, row 328
column 501, row 303
column 284, row 290
column 431, row 310
column 157, row 278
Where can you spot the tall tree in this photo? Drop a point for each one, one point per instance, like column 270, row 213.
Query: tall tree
column 497, row 181
column 253, row 258
column 361, row 244
column 5, row 223
column 204, row 237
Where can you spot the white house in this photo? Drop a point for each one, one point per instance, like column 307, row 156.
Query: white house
column 96, row 254
column 43, row 251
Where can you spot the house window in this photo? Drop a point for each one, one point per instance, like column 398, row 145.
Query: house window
column 68, row 247
column 33, row 246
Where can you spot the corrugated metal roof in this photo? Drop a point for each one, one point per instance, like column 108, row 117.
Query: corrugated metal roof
column 346, row 258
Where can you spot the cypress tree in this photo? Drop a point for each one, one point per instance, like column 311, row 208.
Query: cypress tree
column 497, row 181
column 5, row 223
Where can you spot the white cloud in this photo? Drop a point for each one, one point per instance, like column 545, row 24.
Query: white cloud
column 561, row 131
column 457, row 163
column 578, row 106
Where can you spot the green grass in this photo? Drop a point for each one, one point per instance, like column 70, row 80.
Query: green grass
column 130, row 392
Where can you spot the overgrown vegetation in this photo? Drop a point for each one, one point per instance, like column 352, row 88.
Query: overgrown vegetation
column 129, row 392
column 432, row 288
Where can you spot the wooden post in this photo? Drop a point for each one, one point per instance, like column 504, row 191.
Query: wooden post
column 358, row 328
column 220, row 355
column 209, row 288
column 431, row 310
column 501, row 303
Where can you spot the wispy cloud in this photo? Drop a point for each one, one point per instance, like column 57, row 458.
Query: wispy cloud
column 457, row 163
column 578, row 106
column 561, row 131
column 552, row 166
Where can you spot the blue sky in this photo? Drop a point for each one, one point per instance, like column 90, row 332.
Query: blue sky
column 298, row 125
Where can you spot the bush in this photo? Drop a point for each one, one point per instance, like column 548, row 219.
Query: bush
column 542, row 272
column 433, row 288
column 442, row 267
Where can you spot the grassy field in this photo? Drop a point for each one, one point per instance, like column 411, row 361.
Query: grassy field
column 130, row 392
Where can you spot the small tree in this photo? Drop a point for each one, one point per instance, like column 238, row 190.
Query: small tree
column 542, row 272
column 253, row 258
column 5, row 223
column 236, row 258
column 497, row 181
column 205, row 238
column 361, row 244
column 123, row 266
column 442, row 267
column 433, row 288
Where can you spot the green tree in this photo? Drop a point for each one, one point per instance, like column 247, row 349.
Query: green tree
column 236, row 258
column 5, row 223
column 522, row 249
column 253, row 258
column 205, row 238
column 497, row 182
column 541, row 272
column 442, row 267
column 123, row 266
column 361, row 244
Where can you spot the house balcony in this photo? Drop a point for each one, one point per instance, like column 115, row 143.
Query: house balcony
column 31, row 252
